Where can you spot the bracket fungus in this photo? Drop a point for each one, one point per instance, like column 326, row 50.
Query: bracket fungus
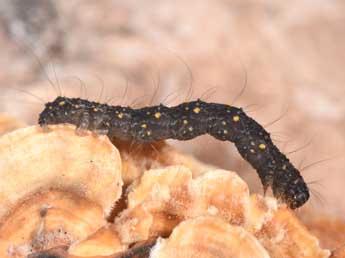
column 137, row 158
column 338, row 253
column 208, row 237
column 59, row 195
column 163, row 198
column 55, row 188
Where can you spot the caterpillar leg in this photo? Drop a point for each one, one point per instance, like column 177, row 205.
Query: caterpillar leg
column 266, row 180
column 83, row 123
column 100, row 126
column 45, row 128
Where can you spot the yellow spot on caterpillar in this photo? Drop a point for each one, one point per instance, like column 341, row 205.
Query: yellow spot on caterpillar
column 225, row 131
column 223, row 123
column 196, row 110
column 185, row 122
column 262, row 146
column 190, row 129
column 61, row 103
column 120, row 115
column 144, row 125
column 236, row 118
column 148, row 113
column 95, row 109
column 158, row 115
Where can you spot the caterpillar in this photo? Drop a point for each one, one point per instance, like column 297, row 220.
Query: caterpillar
column 183, row 122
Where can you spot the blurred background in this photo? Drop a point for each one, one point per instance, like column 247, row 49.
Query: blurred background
column 282, row 61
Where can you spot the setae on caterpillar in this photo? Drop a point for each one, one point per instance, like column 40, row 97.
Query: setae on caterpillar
column 183, row 122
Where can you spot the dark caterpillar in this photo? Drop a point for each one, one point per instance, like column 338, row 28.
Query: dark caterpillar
column 183, row 122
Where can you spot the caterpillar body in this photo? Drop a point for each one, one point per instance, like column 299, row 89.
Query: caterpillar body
column 183, row 122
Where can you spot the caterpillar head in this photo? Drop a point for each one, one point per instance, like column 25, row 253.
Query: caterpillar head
column 290, row 187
